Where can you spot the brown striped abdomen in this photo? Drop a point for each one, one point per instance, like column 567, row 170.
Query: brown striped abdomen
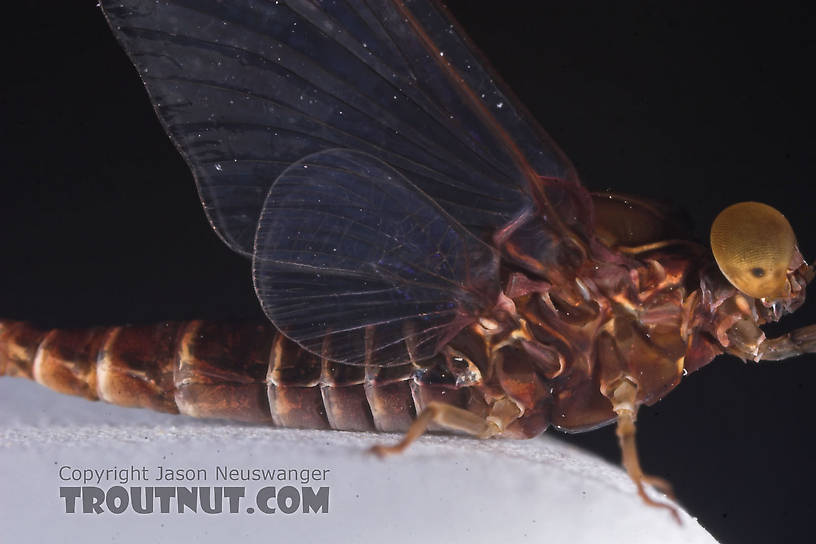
column 240, row 371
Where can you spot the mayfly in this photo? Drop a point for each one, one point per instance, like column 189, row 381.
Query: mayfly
column 425, row 254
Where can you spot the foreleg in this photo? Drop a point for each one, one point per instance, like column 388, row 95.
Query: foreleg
column 797, row 342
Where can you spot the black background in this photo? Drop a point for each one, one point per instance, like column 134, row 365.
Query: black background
column 100, row 223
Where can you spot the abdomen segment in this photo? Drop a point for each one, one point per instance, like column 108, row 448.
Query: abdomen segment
column 239, row 371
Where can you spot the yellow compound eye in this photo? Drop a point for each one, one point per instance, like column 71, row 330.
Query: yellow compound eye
column 753, row 245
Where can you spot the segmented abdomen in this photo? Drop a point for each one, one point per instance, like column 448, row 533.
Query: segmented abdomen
column 245, row 372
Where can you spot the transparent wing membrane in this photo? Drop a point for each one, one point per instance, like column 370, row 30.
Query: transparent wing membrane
column 357, row 265
column 246, row 88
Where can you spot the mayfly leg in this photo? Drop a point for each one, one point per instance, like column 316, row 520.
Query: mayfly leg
column 796, row 342
column 454, row 418
column 623, row 398
column 450, row 417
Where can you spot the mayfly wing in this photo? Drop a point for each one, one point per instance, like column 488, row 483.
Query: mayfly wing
column 357, row 265
column 246, row 88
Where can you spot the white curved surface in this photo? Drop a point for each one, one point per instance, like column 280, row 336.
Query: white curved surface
column 444, row 489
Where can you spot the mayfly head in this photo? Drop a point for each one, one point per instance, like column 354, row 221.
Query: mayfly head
column 755, row 249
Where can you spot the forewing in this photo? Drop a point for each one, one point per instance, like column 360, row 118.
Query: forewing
column 357, row 265
column 245, row 88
